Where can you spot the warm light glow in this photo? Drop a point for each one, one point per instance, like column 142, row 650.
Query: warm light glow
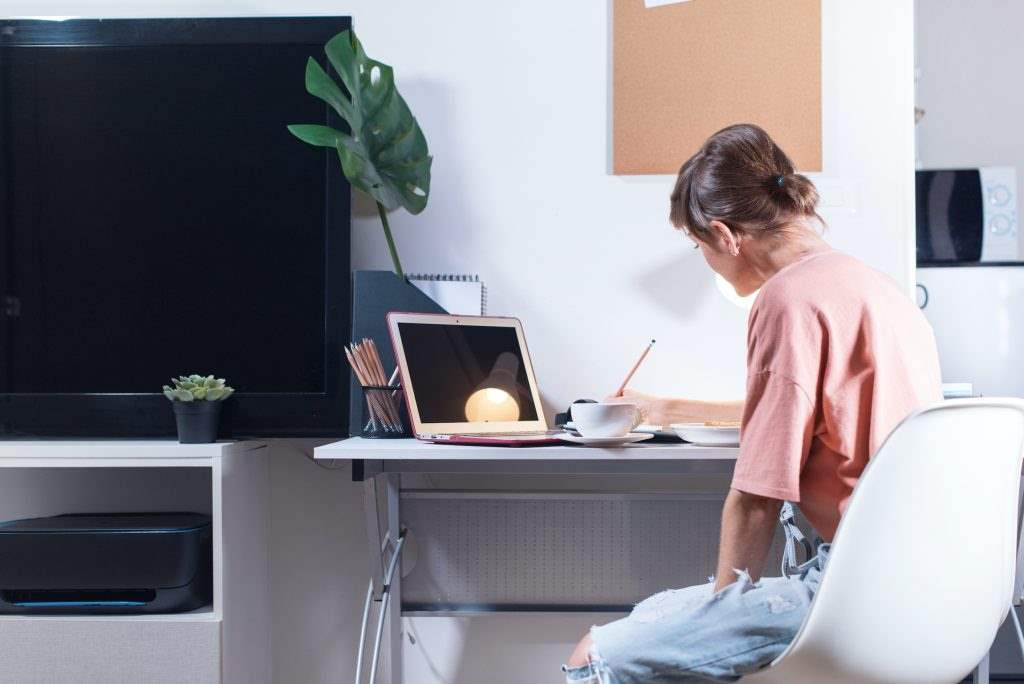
column 729, row 292
column 491, row 403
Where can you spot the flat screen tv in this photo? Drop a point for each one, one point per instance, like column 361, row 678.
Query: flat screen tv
column 158, row 219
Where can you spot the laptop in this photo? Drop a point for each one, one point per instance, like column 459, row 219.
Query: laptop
column 468, row 380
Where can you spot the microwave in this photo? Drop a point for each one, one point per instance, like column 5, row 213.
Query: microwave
column 967, row 215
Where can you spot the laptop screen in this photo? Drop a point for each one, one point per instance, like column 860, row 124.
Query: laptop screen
column 467, row 373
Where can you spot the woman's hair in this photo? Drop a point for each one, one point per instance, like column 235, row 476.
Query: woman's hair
column 743, row 179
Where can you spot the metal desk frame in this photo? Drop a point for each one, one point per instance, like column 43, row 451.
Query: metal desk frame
column 379, row 465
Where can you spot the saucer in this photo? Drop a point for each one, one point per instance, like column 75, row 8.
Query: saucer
column 708, row 435
column 606, row 441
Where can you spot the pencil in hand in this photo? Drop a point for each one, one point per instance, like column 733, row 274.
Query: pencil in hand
column 632, row 371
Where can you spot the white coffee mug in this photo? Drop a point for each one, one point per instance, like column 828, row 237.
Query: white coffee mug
column 605, row 420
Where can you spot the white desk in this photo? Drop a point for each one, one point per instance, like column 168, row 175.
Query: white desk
column 396, row 456
column 379, row 465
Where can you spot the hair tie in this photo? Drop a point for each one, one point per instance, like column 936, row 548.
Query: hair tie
column 780, row 181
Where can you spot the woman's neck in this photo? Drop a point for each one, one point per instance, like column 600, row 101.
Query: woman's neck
column 770, row 254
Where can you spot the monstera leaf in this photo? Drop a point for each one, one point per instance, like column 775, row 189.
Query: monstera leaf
column 385, row 154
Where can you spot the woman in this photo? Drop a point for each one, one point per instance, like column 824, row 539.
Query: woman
column 837, row 355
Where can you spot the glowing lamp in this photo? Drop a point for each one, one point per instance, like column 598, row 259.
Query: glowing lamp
column 491, row 403
column 494, row 399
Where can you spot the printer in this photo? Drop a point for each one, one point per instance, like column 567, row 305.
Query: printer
column 113, row 563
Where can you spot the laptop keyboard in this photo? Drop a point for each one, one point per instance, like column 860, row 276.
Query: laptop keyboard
column 528, row 433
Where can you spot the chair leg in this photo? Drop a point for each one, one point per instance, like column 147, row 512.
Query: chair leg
column 981, row 672
column 1016, row 627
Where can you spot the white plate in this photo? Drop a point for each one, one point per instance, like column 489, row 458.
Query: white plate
column 656, row 430
column 605, row 441
column 707, row 435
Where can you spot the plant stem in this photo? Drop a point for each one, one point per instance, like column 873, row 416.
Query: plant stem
column 391, row 241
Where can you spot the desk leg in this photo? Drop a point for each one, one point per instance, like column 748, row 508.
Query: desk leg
column 383, row 539
column 375, row 534
column 394, row 606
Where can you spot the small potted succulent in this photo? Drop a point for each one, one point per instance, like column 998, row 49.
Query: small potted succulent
column 196, row 400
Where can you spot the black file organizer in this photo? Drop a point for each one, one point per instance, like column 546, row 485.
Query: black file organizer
column 374, row 294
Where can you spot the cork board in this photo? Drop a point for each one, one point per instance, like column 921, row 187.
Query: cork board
column 682, row 71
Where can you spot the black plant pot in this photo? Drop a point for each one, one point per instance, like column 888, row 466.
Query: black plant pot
column 197, row 421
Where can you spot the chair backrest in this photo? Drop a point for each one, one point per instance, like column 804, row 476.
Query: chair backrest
column 921, row 571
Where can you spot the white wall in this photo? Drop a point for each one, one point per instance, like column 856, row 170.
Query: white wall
column 969, row 54
column 513, row 98
column 514, row 104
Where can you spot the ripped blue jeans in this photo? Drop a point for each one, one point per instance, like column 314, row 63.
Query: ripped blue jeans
column 694, row 635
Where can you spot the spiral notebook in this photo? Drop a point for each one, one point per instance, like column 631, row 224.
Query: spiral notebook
column 458, row 294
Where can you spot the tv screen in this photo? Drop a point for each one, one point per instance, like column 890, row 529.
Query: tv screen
column 157, row 219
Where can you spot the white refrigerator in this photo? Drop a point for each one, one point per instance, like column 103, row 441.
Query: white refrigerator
column 977, row 313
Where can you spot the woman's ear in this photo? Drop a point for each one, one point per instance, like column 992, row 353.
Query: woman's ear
column 725, row 237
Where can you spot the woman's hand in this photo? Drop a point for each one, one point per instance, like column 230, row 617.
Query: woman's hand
column 664, row 411
column 651, row 407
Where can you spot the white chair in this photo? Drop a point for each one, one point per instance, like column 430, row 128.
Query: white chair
column 921, row 572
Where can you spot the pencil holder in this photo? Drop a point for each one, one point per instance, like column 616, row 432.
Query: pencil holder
column 384, row 413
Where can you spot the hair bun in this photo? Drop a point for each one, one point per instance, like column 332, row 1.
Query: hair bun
column 795, row 193
column 742, row 178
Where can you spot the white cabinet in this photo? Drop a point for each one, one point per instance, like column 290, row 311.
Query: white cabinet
column 976, row 314
column 228, row 641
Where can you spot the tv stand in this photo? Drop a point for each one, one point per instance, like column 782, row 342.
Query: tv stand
column 227, row 641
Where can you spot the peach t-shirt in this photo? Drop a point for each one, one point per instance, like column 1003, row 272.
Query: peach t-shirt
column 837, row 355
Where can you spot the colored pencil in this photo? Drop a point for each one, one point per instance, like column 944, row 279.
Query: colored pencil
column 366, row 363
